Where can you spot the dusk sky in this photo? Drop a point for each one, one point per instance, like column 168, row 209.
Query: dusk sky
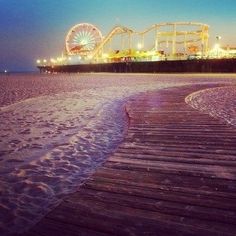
column 32, row 29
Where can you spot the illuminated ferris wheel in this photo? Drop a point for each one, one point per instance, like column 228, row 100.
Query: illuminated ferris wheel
column 82, row 39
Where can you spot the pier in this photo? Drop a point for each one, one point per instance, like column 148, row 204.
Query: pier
column 179, row 66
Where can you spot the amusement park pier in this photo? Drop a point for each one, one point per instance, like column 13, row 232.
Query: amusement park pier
column 164, row 47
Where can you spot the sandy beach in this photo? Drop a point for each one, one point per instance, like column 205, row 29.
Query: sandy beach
column 56, row 130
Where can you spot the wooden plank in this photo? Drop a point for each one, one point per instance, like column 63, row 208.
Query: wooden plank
column 52, row 227
column 214, row 174
column 164, row 206
column 174, row 158
column 204, row 198
column 167, row 182
column 110, row 217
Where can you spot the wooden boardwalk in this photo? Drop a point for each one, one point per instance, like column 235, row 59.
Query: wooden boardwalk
column 174, row 174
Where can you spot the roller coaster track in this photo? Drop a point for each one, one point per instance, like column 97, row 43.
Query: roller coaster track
column 201, row 31
column 115, row 31
column 157, row 26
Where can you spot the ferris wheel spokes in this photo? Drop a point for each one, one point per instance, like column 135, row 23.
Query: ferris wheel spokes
column 82, row 39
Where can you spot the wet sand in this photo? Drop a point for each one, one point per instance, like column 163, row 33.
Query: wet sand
column 57, row 130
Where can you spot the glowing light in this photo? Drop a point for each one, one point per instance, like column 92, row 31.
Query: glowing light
column 69, row 58
column 53, row 60
column 5, row 71
column 45, row 61
column 216, row 46
column 139, row 46
column 151, row 53
column 104, row 55
column 38, row 61
column 84, row 42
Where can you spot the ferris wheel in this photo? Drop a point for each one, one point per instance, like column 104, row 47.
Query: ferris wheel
column 82, row 39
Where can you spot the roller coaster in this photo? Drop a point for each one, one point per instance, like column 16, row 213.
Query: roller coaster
column 164, row 41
